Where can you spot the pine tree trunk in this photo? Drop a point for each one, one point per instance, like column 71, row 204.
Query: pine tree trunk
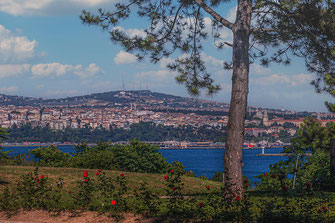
column 332, row 157
column 238, row 102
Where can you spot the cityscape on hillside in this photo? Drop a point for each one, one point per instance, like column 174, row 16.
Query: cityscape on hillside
column 122, row 109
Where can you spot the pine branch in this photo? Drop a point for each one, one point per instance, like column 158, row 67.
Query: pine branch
column 214, row 14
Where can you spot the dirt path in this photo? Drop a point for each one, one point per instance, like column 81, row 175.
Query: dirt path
column 86, row 217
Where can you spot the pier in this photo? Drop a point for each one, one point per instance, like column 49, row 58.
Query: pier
column 279, row 154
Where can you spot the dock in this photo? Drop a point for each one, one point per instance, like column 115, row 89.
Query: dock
column 280, row 154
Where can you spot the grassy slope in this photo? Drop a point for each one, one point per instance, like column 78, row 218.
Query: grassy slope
column 10, row 174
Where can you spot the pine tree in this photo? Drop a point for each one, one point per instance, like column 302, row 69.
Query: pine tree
column 268, row 31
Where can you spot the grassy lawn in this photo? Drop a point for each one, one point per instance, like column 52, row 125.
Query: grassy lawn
column 11, row 174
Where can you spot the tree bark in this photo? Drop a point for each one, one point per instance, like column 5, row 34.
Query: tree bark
column 332, row 157
column 238, row 103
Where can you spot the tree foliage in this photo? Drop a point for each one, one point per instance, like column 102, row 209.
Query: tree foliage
column 312, row 137
column 3, row 135
column 312, row 171
column 135, row 157
column 50, row 156
column 263, row 30
column 144, row 131
column 278, row 29
column 306, row 29
column 330, row 88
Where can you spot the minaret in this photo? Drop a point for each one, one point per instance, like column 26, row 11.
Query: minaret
column 265, row 118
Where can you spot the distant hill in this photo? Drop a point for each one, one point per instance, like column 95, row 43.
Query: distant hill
column 18, row 100
column 113, row 98
column 142, row 99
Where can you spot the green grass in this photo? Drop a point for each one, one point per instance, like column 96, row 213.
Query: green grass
column 9, row 175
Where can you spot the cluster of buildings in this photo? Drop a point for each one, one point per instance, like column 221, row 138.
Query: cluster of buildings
column 279, row 124
column 61, row 118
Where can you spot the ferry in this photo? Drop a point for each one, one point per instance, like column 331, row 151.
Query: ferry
column 249, row 146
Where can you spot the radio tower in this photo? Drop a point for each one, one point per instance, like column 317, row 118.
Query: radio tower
column 123, row 85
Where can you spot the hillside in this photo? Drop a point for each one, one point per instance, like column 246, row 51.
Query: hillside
column 142, row 99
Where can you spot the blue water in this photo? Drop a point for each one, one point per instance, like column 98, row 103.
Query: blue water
column 203, row 162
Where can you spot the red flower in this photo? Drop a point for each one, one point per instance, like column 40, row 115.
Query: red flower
column 85, row 175
column 247, row 185
column 30, row 173
column 42, row 176
column 113, row 202
column 324, row 208
column 266, row 173
column 173, row 188
column 86, row 180
column 97, row 173
column 284, row 188
column 37, row 178
column 201, row 205
column 272, row 176
column 238, row 198
column 166, row 177
column 171, row 171
column 69, row 192
column 308, row 184
column 39, row 181
column 121, row 174
column 99, row 170
column 207, row 187
column 85, row 172
column 245, row 181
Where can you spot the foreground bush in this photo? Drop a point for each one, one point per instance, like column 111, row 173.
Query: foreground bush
column 112, row 196
column 135, row 157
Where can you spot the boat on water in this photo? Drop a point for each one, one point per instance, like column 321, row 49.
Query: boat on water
column 249, row 146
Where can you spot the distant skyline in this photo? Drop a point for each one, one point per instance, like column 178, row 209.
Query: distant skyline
column 46, row 52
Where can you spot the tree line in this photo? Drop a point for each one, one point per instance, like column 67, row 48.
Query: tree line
column 144, row 131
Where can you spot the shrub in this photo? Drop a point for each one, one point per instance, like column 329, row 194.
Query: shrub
column 139, row 157
column 224, row 206
column 33, row 191
column 176, row 206
column 84, row 193
column 296, row 208
column 50, row 156
column 147, row 202
column 276, row 179
column 135, row 157
column 94, row 158
column 178, row 167
column 8, row 202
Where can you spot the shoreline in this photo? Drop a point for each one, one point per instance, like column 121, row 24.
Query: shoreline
column 161, row 148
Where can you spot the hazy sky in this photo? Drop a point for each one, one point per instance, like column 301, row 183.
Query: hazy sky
column 46, row 52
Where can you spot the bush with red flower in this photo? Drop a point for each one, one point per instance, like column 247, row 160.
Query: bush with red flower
column 147, row 201
column 84, row 193
column 174, row 186
column 33, row 191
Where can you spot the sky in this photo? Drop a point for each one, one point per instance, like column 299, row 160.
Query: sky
column 46, row 51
